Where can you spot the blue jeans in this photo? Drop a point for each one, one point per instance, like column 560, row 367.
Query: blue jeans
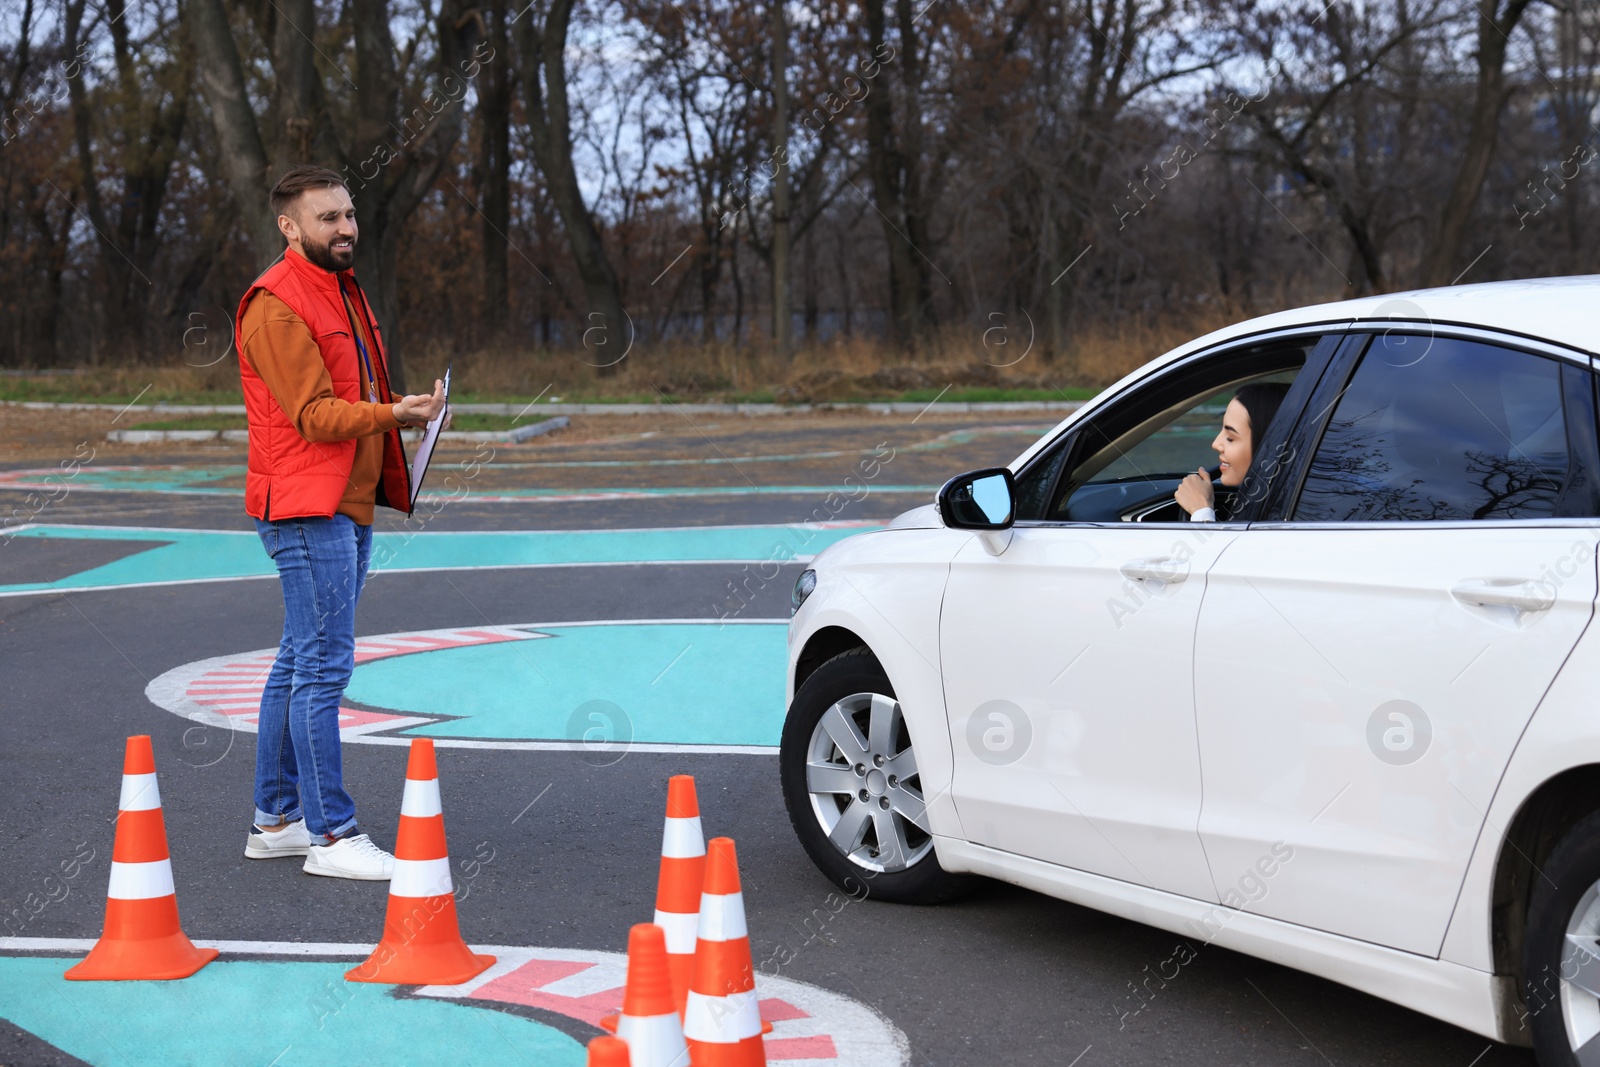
column 322, row 564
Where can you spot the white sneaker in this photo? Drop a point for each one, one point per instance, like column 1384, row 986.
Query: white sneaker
column 350, row 857
column 291, row 840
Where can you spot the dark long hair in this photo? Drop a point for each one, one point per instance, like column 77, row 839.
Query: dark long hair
column 1260, row 402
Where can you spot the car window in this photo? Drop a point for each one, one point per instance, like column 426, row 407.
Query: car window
column 1181, row 445
column 1132, row 459
column 1463, row 430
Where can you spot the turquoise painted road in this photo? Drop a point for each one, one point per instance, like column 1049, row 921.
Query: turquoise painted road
column 667, row 683
column 201, row 481
column 249, row 1013
column 214, row 555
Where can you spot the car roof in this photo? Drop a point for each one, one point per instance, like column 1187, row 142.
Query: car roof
column 1565, row 311
column 1561, row 310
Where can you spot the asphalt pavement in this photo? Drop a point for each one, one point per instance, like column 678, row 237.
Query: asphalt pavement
column 1003, row 976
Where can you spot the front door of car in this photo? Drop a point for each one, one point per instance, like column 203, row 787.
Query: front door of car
column 1363, row 671
column 1068, row 657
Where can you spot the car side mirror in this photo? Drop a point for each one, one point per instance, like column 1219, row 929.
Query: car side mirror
column 984, row 501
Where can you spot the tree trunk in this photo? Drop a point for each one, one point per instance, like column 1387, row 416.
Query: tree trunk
column 782, row 259
column 887, row 165
column 1055, row 297
column 918, row 198
column 1494, row 31
column 114, row 273
column 810, row 300
column 607, row 330
column 494, row 174
column 244, row 160
column 296, row 89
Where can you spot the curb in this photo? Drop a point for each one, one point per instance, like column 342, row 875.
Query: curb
column 893, row 407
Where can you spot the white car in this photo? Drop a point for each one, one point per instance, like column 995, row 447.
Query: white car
column 1351, row 727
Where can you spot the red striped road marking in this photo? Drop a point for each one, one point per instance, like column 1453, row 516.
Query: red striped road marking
column 226, row 691
column 811, row 1027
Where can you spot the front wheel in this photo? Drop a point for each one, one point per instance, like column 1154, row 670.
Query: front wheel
column 1561, row 957
column 852, row 787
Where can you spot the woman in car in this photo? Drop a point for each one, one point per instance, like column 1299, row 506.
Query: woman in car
column 1244, row 423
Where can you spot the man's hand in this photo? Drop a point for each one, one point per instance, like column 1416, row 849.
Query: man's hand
column 1195, row 492
column 421, row 409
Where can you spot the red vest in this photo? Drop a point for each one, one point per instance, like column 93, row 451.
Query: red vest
column 288, row 476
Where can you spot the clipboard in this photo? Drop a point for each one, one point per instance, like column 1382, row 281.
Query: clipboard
column 430, row 437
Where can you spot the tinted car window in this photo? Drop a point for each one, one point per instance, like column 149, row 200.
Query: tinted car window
column 1442, row 429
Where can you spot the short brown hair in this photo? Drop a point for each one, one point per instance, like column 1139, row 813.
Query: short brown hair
column 296, row 181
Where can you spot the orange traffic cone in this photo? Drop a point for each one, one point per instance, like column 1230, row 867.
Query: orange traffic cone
column 608, row 1052
column 722, row 1020
column 649, row 1020
column 142, row 938
column 683, row 875
column 421, row 938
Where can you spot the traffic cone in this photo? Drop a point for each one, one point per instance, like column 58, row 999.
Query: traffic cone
column 608, row 1052
column 722, row 1020
column 142, row 938
column 421, row 938
column 649, row 1020
column 683, row 875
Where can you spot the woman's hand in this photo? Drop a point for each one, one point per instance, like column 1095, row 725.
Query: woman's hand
column 1195, row 492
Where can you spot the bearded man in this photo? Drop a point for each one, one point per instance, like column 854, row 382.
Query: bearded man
column 325, row 451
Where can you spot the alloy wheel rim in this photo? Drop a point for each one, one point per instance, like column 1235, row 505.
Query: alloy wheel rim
column 866, row 794
column 1580, row 978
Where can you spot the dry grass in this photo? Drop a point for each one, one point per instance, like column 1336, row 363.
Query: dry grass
column 846, row 369
column 149, row 383
column 958, row 363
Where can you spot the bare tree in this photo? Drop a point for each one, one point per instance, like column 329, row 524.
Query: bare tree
column 781, row 253
column 1337, row 122
column 494, row 169
column 1496, row 21
column 391, row 155
column 243, row 154
column 607, row 329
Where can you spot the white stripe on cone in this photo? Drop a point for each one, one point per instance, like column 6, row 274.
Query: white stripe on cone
column 722, row 917
column 682, row 839
column 421, row 878
column 421, row 799
column 681, row 931
column 141, row 881
column 722, row 1020
column 654, row 1040
column 139, row 793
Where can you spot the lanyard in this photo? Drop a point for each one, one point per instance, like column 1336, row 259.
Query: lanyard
column 355, row 331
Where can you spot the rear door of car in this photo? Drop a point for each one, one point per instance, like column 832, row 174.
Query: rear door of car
column 1365, row 663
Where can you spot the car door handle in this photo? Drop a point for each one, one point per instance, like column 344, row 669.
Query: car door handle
column 1521, row 594
column 1156, row 569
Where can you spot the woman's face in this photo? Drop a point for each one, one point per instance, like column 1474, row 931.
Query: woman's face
column 1233, row 444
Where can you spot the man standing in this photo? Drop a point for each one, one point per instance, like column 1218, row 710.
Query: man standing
column 324, row 451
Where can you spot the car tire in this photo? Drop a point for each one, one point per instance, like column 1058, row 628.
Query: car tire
column 1561, row 979
column 863, row 824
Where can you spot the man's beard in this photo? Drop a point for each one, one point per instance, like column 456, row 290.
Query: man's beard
column 325, row 257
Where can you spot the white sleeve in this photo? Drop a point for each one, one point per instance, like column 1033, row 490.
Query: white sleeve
column 1203, row 515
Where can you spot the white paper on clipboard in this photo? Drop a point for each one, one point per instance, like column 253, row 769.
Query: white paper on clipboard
column 430, row 436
